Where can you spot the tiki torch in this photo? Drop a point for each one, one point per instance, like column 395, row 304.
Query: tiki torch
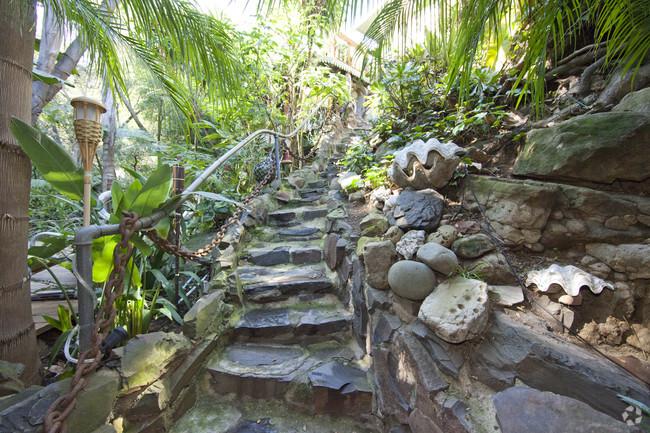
column 88, row 129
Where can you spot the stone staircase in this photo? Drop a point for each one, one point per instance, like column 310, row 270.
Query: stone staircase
column 293, row 341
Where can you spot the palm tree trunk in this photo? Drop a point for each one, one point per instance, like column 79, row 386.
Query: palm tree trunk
column 48, row 50
column 108, row 147
column 17, row 334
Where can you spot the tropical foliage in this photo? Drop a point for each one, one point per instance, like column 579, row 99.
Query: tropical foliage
column 466, row 35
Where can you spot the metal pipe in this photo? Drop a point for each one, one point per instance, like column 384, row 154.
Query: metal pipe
column 84, row 237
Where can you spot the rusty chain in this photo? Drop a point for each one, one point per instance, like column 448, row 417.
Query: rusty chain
column 54, row 420
column 173, row 249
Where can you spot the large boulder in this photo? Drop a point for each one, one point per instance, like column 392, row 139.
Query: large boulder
column 511, row 351
column 523, row 409
column 631, row 259
column 411, row 280
column 378, row 257
column 146, row 356
column 517, row 210
column 638, row 102
column 206, row 315
column 415, row 210
column 457, row 310
column 600, row 148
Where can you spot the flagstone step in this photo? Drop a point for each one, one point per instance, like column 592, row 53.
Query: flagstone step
column 272, row 255
column 302, row 326
column 263, row 284
column 271, row 371
column 301, row 233
column 293, row 216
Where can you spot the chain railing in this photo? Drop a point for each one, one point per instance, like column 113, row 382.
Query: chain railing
column 93, row 331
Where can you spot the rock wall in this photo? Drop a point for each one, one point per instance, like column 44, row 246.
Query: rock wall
column 543, row 215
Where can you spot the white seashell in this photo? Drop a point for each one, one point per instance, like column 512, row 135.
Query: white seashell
column 431, row 164
column 570, row 278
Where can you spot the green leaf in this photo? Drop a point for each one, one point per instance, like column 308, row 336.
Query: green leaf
column 163, row 227
column 154, row 192
column 54, row 163
column 134, row 173
column 102, row 252
column 126, row 201
column 56, row 324
column 51, row 245
column 169, row 310
column 160, row 278
column 138, row 241
column 64, row 317
column 48, row 78
column 58, row 345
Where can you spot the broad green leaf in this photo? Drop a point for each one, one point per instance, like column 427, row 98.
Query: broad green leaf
column 134, row 173
column 54, row 163
column 138, row 241
column 163, row 227
column 126, row 202
column 102, row 252
column 116, row 194
column 154, row 192
column 134, row 273
column 48, row 78
column 51, row 246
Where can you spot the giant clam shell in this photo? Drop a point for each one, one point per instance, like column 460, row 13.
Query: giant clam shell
column 431, row 164
column 570, row 278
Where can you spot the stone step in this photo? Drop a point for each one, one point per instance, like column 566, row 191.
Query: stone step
column 302, row 233
column 313, row 192
column 283, row 254
column 301, row 377
column 297, row 202
column 293, row 217
column 262, row 284
column 322, row 185
column 302, row 326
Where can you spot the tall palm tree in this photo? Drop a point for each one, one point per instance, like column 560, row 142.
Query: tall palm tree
column 168, row 36
column 17, row 334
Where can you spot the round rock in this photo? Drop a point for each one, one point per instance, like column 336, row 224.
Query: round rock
column 457, row 310
column 438, row 258
column 411, row 280
column 445, row 236
column 473, row 246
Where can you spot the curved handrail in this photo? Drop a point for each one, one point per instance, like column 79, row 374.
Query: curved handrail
column 84, row 237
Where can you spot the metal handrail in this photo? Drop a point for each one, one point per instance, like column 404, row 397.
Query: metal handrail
column 84, row 237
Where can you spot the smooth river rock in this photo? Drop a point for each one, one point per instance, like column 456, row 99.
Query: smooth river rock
column 438, row 258
column 411, row 280
column 457, row 310
column 470, row 247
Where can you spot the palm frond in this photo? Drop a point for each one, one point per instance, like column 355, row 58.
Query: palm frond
column 171, row 38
